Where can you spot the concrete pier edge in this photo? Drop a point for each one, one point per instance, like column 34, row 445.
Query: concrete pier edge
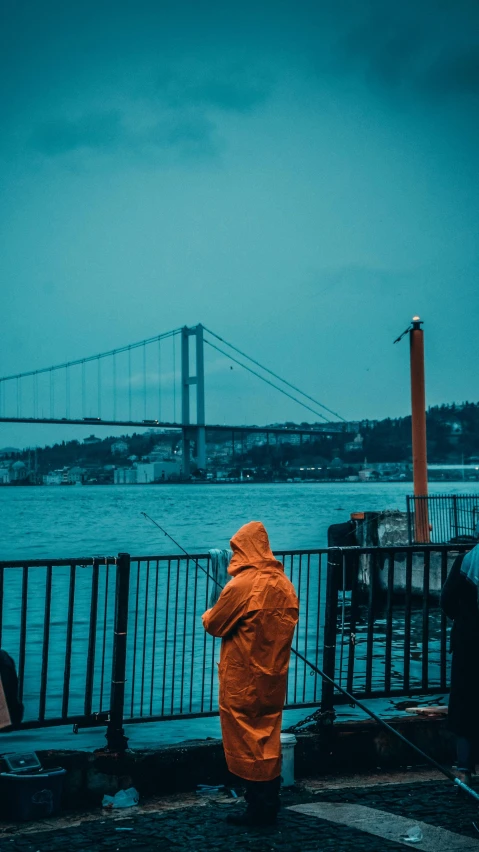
column 354, row 746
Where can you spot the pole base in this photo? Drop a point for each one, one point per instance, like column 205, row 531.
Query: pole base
column 117, row 742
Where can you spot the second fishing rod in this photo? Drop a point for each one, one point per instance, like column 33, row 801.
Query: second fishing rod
column 314, row 668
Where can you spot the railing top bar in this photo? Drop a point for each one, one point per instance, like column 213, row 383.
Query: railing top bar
column 318, row 551
column 170, row 557
column 443, row 496
column 405, row 548
column 86, row 562
column 78, row 562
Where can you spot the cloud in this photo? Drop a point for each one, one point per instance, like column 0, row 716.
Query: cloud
column 428, row 47
column 215, row 86
column 99, row 131
column 383, row 48
column 457, row 74
column 181, row 136
column 229, row 94
column 176, row 112
column 191, row 136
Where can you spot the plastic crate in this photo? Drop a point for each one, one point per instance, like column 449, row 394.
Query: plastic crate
column 30, row 796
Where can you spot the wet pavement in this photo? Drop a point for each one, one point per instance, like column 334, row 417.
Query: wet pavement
column 155, row 734
column 195, row 824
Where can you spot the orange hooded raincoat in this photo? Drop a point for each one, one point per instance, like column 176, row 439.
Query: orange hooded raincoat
column 255, row 615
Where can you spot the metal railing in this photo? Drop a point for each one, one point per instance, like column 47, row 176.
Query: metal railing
column 450, row 516
column 385, row 633
column 171, row 661
column 56, row 621
column 120, row 639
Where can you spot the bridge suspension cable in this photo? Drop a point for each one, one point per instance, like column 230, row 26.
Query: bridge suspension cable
column 275, row 375
column 79, row 361
column 268, row 382
column 91, row 389
column 90, row 392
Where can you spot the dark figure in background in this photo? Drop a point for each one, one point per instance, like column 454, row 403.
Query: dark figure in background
column 9, row 679
column 459, row 600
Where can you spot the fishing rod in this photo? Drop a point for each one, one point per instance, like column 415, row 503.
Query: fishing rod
column 447, row 772
column 178, row 545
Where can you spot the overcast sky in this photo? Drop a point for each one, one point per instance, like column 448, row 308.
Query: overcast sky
column 299, row 175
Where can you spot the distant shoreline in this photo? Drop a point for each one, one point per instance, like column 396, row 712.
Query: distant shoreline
column 240, row 482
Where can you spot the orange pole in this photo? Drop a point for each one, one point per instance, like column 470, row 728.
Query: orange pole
column 419, row 445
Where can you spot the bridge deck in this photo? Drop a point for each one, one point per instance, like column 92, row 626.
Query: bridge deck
column 156, row 424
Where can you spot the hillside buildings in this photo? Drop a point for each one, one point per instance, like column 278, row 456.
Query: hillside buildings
column 145, row 473
column 13, row 473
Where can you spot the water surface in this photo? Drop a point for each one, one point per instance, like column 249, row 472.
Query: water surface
column 91, row 520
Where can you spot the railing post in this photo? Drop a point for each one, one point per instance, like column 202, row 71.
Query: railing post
column 410, row 527
column 92, row 636
column 353, row 619
column 115, row 734
column 456, row 521
column 330, row 630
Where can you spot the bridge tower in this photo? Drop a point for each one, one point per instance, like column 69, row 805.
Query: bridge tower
column 195, row 431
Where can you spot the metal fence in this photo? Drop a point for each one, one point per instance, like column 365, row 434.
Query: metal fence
column 385, row 633
column 450, row 516
column 120, row 639
column 56, row 621
column 172, row 663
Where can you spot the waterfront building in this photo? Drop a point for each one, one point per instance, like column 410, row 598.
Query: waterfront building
column 54, row 477
column 125, row 476
column 18, row 472
column 453, row 471
column 367, row 473
column 76, row 474
column 159, row 470
column 13, row 472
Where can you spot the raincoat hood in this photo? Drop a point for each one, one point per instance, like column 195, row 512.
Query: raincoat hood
column 251, row 549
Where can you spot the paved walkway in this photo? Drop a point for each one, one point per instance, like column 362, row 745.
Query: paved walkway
column 193, row 824
column 429, row 838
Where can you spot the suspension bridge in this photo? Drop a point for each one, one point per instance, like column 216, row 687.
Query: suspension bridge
column 149, row 384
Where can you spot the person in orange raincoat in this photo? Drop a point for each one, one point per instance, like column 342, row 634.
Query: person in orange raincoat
column 255, row 616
